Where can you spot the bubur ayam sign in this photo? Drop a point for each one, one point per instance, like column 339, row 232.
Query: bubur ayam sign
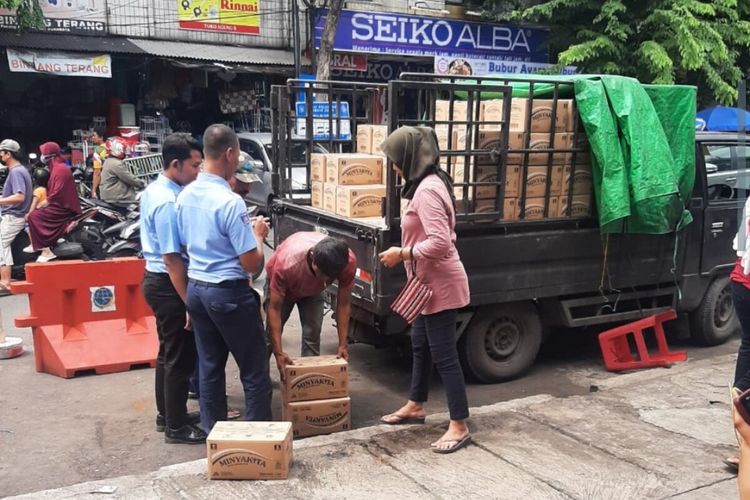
column 226, row 16
column 80, row 17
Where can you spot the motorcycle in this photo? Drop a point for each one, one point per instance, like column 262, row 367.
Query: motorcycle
column 126, row 237
column 81, row 240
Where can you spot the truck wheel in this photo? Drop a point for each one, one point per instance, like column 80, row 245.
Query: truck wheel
column 501, row 342
column 715, row 319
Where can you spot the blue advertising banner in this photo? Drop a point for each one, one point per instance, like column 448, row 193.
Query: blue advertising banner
column 402, row 34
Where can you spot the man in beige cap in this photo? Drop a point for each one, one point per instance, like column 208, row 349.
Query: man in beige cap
column 14, row 204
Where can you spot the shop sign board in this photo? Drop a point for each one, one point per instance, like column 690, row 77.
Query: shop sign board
column 223, row 16
column 402, row 34
column 61, row 64
column 446, row 65
column 349, row 62
column 324, row 115
column 80, row 17
column 382, row 71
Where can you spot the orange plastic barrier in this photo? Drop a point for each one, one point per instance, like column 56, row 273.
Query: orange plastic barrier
column 88, row 316
column 616, row 349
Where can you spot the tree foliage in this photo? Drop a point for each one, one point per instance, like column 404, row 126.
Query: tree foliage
column 698, row 42
column 28, row 13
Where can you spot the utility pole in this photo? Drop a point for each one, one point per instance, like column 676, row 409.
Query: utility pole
column 295, row 34
column 326, row 42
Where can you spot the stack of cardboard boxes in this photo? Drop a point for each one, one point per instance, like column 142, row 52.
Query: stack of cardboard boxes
column 351, row 184
column 315, row 396
column 534, row 165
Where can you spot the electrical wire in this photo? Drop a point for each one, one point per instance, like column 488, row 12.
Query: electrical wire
column 223, row 19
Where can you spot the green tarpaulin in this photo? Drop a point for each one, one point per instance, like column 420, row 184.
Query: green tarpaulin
column 643, row 144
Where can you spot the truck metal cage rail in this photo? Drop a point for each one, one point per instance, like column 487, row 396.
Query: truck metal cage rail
column 339, row 108
column 145, row 167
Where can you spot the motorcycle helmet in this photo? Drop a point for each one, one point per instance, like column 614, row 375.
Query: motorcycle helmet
column 41, row 177
column 117, row 147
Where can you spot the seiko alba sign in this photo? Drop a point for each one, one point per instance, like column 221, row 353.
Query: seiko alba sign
column 384, row 33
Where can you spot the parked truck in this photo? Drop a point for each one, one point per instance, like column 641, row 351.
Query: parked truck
column 527, row 274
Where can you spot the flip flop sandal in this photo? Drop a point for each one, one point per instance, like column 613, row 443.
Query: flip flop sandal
column 233, row 414
column 394, row 419
column 457, row 445
column 4, row 290
column 732, row 463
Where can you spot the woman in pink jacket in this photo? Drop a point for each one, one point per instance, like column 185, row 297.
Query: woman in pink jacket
column 428, row 236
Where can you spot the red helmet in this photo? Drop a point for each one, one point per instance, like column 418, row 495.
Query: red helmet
column 117, row 147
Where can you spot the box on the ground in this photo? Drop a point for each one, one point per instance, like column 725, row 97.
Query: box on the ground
column 325, row 416
column 316, row 194
column 510, row 207
column 360, row 201
column 354, row 169
column 315, row 377
column 249, row 450
column 318, row 162
column 329, row 197
column 536, row 182
column 582, row 180
column 534, row 209
column 370, row 137
column 580, row 207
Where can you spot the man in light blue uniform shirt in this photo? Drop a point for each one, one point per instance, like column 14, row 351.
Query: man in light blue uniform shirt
column 165, row 289
column 225, row 248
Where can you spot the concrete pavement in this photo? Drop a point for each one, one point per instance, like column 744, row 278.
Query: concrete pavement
column 657, row 434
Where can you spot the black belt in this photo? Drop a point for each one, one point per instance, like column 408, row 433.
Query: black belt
column 221, row 284
column 157, row 275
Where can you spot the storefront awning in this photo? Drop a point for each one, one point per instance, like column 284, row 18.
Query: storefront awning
column 160, row 48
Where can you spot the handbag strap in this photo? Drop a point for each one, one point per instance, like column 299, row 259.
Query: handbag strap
column 413, row 262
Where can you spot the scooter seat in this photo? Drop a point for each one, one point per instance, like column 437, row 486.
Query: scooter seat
column 68, row 250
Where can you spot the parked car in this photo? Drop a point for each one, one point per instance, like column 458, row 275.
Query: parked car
column 258, row 146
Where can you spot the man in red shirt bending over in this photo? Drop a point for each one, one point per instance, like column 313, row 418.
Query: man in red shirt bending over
column 302, row 267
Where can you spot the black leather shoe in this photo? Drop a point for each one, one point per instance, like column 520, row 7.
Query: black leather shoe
column 193, row 417
column 187, row 434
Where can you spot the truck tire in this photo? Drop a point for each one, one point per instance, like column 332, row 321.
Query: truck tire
column 715, row 320
column 501, row 342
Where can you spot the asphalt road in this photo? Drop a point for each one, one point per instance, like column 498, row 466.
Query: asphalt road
column 56, row 432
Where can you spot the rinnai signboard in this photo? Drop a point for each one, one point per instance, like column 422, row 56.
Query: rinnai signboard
column 225, row 16
column 401, row 34
column 80, row 17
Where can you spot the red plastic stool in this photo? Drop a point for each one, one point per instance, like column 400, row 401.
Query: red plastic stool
column 616, row 348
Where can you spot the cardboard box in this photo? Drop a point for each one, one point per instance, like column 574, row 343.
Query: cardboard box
column 542, row 141
column 510, row 208
column 488, row 173
column 316, row 194
column 318, row 162
column 534, row 209
column 442, row 134
column 442, row 107
column 541, row 115
column 582, row 181
column 536, row 182
column 404, row 205
column 581, row 206
column 360, row 201
column 492, row 111
column 315, row 377
column 370, row 137
column 492, row 139
column 354, row 169
column 329, row 197
column 249, row 450
column 312, row 418
column 379, row 135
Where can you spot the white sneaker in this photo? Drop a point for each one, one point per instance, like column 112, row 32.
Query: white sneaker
column 29, row 249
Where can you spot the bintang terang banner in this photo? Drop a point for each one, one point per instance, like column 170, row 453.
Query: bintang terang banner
column 226, row 16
